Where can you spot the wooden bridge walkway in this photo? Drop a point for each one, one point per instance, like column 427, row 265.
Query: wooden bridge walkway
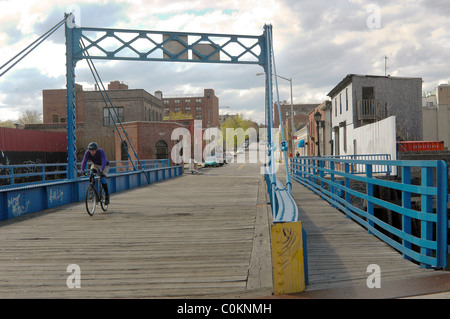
column 192, row 236
column 203, row 235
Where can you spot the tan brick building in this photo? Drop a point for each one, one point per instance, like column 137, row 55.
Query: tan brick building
column 140, row 113
column 151, row 140
column 205, row 108
column 286, row 112
column 94, row 120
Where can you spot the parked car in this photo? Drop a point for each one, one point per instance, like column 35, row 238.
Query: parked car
column 220, row 158
column 211, row 161
column 228, row 158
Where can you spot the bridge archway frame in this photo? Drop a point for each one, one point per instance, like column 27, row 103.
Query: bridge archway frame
column 140, row 45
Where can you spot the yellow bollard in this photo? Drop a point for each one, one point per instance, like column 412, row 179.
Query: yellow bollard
column 287, row 258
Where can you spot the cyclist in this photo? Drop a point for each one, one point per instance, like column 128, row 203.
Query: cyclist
column 99, row 161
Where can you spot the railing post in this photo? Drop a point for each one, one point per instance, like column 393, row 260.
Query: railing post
column 321, row 173
column 441, row 211
column 316, row 171
column 427, row 207
column 309, row 170
column 406, row 203
column 304, row 161
column 369, row 191
column 347, row 185
column 332, row 188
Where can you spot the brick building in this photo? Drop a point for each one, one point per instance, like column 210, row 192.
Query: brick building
column 140, row 113
column 205, row 108
column 95, row 121
column 286, row 112
column 151, row 140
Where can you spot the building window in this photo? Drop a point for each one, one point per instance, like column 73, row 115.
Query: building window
column 187, row 108
column 177, row 101
column 335, row 106
column 162, row 150
column 177, row 109
column 198, row 117
column 124, row 151
column 198, row 101
column 187, row 101
column 198, row 108
column 118, row 116
column 346, row 99
column 368, row 93
column 166, row 102
column 55, row 118
column 345, row 137
column 340, row 103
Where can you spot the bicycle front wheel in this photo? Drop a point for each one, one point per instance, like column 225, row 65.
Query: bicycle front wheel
column 104, row 206
column 91, row 201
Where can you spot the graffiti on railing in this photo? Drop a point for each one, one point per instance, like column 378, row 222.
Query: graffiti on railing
column 16, row 208
column 55, row 195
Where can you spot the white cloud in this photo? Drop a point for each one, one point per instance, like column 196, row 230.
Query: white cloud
column 316, row 44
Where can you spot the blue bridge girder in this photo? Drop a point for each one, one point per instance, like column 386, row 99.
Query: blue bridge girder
column 140, row 45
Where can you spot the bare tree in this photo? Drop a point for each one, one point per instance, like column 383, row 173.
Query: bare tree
column 30, row 117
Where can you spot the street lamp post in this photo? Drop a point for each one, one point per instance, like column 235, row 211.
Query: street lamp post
column 317, row 118
column 292, row 110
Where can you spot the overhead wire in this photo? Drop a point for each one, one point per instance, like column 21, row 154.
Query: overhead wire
column 33, row 45
column 110, row 106
column 284, row 147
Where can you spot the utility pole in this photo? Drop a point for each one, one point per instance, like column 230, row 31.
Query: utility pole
column 385, row 65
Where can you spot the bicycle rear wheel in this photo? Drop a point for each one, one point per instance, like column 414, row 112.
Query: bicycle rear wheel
column 91, row 201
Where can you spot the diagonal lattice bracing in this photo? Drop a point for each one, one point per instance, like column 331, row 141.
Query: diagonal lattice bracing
column 169, row 46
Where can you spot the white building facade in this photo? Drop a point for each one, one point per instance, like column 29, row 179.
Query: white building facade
column 363, row 101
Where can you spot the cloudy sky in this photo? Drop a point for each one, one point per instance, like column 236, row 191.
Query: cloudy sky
column 316, row 43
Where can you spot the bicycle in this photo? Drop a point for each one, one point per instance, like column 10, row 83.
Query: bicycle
column 93, row 197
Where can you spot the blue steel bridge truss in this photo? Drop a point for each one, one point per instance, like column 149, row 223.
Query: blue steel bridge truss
column 139, row 45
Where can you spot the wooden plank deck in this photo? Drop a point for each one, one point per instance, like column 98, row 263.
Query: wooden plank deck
column 192, row 236
column 340, row 250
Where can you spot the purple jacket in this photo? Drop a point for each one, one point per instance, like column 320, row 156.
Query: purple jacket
column 98, row 159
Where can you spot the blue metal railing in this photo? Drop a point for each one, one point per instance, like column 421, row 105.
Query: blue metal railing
column 285, row 209
column 13, row 175
column 127, row 166
column 31, row 173
column 421, row 235
column 361, row 168
column 22, row 199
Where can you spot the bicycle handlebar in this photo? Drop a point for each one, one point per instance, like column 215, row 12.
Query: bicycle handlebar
column 92, row 172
